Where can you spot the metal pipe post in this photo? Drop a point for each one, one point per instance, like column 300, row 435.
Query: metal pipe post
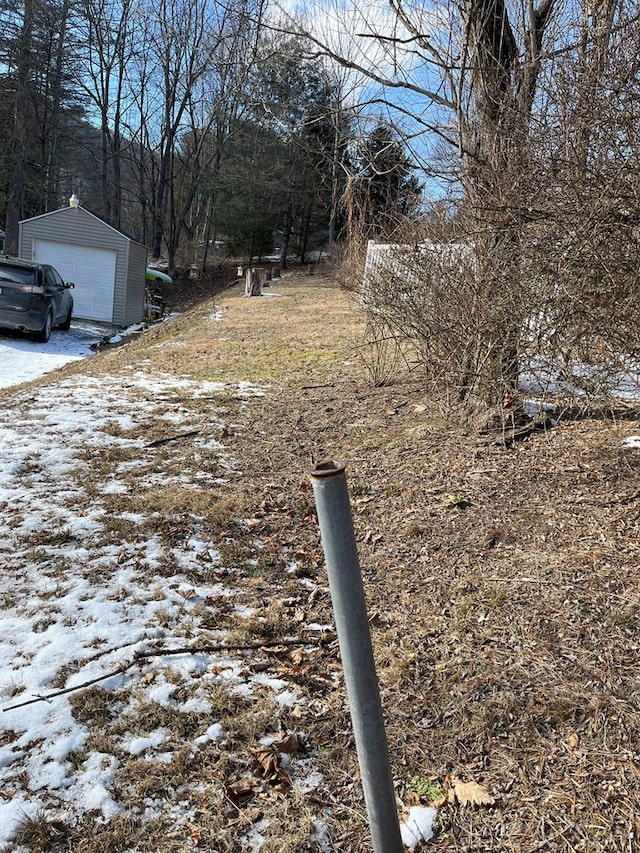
column 352, row 626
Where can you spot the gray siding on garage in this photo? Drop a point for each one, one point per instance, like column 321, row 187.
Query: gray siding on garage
column 81, row 227
column 136, row 278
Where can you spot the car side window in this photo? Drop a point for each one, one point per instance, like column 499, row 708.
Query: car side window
column 51, row 277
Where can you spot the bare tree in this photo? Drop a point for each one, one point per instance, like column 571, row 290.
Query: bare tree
column 211, row 115
column 481, row 87
column 17, row 146
column 105, row 43
column 185, row 80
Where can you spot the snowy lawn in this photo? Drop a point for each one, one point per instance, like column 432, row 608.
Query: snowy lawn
column 111, row 547
column 156, row 696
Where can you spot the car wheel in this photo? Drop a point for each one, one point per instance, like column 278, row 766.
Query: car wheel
column 45, row 332
column 67, row 323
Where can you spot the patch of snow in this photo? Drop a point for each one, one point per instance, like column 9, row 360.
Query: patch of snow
column 212, row 733
column 22, row 360
column 138, row 745
column 248, row 389
column 92, row 788
column 78, row 601
column 632, row 442
column 253, row 840
column 322, row 836
column 304, row 778
column 418, row 826
column 314, row 626
column 287, row 699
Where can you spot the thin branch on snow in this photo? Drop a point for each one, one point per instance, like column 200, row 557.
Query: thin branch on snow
column 185, row 650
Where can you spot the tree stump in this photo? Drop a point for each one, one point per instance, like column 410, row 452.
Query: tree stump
column 254, row 280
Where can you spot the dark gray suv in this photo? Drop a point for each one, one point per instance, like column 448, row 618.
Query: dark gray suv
column 33, row 298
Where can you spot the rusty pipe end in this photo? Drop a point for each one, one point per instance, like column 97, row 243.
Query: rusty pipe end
column 328, row 468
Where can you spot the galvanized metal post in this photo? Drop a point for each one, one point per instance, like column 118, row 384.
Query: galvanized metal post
column 352, row 625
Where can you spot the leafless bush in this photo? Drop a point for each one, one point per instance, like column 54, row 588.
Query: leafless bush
column 385, row 352
column 532, row 284
column 551, row 305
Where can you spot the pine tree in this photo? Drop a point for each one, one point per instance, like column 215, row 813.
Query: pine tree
column 385, row 188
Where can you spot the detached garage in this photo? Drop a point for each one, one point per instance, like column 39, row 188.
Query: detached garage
column 106, row 266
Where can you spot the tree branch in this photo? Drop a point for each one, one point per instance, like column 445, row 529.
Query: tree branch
column 185, row 650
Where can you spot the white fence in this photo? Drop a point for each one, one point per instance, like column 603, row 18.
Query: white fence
column 396, row 274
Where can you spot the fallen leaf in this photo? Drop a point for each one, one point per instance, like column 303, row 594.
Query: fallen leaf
column 251, row 814
column 216, row 601
column 289, row 744
column 194, row 833
column 297, row 656
column 243, row 789
column 469, row 793
column 188, row 593
column 9, row 737
column 267, row 758
column 573, row 739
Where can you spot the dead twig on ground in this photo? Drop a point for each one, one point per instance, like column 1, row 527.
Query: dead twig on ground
column 170, row 438
column 184, row 650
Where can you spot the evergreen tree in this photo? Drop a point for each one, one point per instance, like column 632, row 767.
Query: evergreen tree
column 299, row 101
column 385, row 189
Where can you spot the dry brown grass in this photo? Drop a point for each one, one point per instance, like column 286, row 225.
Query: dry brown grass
column 502, row 585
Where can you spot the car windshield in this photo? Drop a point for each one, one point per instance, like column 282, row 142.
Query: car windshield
column 19, row 275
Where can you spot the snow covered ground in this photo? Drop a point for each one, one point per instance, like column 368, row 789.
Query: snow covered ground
column 75, row 598
column 85, row 584
column 21, row 359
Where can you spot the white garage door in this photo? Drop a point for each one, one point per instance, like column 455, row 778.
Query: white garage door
column 93, row 272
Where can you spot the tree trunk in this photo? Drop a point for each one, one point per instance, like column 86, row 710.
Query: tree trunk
column 592, row 60
column 495, row 144
column 53, row 165
column 286, row 238
column 304, row 237
column 15, row 193
column 159, row 204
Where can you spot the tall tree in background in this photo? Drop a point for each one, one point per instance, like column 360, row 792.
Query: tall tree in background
column 105, row 34
column 300, row 102
column 385, row 189
column 57, row 109
column 246, row 189
column 20, row 54
column 36, row 54
column 212, row 116
column 181, row 84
